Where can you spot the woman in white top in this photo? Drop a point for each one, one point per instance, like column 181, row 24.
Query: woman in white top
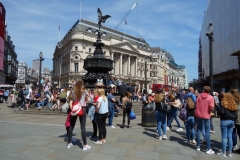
column 102, row 114
column 81, row 95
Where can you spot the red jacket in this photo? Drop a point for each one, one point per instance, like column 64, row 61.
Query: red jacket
column 204, row 106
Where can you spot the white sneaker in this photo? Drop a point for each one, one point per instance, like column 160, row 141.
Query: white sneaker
column 160, row 138
column 164, row 137
column 221, row 154
column 69, row 145
column 112, row 126
column 179, row 129
column 193, row 141
column 167, row 128
column 98, row 142
column 198, row 149
column 87, row 147
column 229, row 155
column 210, row 152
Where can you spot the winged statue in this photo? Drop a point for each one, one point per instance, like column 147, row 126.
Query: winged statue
column 101, row 18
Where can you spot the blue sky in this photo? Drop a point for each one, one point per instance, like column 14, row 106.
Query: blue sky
column 170, row 24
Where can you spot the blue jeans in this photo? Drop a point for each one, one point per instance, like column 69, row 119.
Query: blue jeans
column 189, row 125
column 110, row 115
column 203, row 125
column 173, row 115
column 41, row 104
column 236, row 131
column 226, row 130
column 161, row 122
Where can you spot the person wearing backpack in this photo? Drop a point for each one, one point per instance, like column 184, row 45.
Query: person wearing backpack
column 160, row 115
column 127, row 107
column 190, row 120
column 79, row 95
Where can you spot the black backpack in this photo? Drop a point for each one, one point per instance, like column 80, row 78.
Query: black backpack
column 128, row 106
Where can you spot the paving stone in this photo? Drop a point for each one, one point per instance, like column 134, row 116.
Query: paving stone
column 147, row 155
column 126, row 145
column 145, row 147
column 99, row 156
column 130, row 140
column 122, row 158
column 69, row 154
column 113, row 151
column 153, row 142
column 131, row 153
column 9, row 147
column 186, row 152
column 39, row 151
column 38, row 142
column 181, row 157
column 169, row 150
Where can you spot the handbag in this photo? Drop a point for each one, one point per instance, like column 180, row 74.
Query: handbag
column 178, row 104
column 164, row 107
column 76, row 109
column 132, row 115
column 183, row 114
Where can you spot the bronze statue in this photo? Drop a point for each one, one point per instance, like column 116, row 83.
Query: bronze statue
column 101, row 19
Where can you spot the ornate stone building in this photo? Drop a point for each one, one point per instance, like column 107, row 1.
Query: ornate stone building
column 128, row 53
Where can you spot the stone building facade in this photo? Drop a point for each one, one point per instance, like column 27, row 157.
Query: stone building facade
column 129, row 55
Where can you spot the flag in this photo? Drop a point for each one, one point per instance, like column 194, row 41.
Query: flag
column 125, row 22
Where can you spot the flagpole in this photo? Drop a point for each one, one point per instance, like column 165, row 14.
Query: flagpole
column 80, row 11
column 59, row 33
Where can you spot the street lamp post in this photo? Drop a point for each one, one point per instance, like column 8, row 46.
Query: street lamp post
column 209, row 34
column 40, row 68
column 194, row 83
column 145, row 74
column 203, row 77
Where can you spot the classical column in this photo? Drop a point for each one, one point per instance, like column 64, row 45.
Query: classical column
column 112, row 56
column 129, row 63
column 136, row 63
column 120, row 65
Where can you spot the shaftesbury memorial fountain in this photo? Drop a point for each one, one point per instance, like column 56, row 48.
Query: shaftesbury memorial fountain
column 97, row 66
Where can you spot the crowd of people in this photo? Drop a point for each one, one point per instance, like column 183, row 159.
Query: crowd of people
column 196, row 110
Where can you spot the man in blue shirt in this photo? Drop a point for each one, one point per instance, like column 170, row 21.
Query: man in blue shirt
column 6, row 94
column 111, row 106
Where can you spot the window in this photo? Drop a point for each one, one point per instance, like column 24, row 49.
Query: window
column 76, row 48
column 140, row 74
column 76, row 57
column 76, row 67
column 9, row 57
column 89, row 50
column 104, row 34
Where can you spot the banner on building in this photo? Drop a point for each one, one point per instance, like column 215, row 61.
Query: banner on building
column 21, row 75
column 2, row 33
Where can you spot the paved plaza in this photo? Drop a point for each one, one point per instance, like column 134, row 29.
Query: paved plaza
column 41, row 137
